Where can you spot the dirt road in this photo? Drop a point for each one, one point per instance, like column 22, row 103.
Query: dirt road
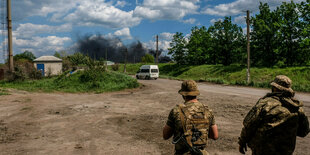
column 127, row 122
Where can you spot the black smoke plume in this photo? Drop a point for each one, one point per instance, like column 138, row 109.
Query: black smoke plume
column 99, row 47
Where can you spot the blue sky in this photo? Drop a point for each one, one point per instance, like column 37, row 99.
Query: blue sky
column 46, row 26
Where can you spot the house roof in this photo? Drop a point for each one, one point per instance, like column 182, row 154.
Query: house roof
column 48, row 58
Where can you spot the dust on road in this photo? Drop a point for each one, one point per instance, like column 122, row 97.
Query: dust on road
column 126, row 122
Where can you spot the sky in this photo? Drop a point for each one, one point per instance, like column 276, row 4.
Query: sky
column 46, row 26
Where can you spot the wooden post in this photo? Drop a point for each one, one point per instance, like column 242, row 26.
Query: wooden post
column 10, row 45
column 248, row 46
column 125, row 61
column 106, row 59
column 156, row 49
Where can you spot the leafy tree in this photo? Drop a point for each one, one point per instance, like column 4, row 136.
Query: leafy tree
column 304, row 8
column 148, row 58
column 228, row 41
column 198, row 46
column 25, row 55
column 178, row 48
column 290, row 32
column 57, row 54
column 60, row 54
column 264, row 40
column 79, row 59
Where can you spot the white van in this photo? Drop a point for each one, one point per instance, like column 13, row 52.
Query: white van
column 148, row 72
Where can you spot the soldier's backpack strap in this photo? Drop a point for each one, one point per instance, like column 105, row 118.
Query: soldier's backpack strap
column 182, row 118
column 187, row 133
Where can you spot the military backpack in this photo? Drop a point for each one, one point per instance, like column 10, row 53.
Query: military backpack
column 195, row 121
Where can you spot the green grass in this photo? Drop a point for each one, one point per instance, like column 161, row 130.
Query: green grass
column 3, row 92
column 87, row 81
column 231, row 75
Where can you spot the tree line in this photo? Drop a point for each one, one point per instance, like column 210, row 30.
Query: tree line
column 279, row 37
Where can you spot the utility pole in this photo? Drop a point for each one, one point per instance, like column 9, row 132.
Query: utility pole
column 10, row 45
column 156, row 49
column 248, row 45
column 106, row 59
column 125, row 61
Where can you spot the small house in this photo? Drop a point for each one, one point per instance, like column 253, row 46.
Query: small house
column 48, row 65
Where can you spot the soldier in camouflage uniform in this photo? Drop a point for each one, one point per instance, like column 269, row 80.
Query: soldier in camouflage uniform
column 271, row 126
column 186, row 117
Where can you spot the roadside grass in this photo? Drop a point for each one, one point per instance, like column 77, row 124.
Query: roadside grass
column 4, row 92
column 231, row 75
column 82, row 81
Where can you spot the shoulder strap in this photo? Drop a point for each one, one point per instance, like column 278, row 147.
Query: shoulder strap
column 182, row 118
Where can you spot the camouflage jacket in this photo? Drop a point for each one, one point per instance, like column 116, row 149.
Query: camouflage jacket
column 174, row 121
column 272, row 125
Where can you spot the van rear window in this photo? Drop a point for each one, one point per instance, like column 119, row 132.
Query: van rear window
column 145, row 70
column 154, row 70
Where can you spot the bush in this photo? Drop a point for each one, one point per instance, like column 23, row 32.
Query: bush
column 115, row 67
column 23, row 69
column 35, row 74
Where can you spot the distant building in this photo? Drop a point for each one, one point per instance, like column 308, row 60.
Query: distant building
column 48, row 65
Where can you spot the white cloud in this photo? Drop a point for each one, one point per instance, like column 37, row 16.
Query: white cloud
column 148, row 13
column 244, row 30
column 121, row 3
column 29, row 29
column 78, row 12
column 162, row 44
column 240, row 20
column 190, row 21
column 238, row 6
column 215, row 20
column 166, row 9
column 27, row 8
column 166, row 36
column 25, row 38
column 163, row 41
column 40, row 45
column 98, row 13
column 123, row 33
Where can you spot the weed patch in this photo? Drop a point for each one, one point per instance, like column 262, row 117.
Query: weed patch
column 93, row 80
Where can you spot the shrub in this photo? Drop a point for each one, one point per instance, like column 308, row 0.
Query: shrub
column 115, row 67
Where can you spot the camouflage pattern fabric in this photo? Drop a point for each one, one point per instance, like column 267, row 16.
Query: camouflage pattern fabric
column 174, row 121
column 271, row 126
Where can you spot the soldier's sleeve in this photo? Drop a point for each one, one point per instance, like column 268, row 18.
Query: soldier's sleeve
column 303, row 124
column 250, row 123
column 171, row 119
column 212, row 119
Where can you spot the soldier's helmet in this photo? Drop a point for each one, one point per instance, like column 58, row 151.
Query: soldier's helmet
column 283, row 83
column 189, row 88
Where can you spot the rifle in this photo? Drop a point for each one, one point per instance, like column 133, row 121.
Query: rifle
column 193, row 150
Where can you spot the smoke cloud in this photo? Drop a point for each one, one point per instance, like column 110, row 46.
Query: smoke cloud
column 111, row 48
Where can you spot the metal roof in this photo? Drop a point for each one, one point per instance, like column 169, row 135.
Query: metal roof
column 48, row 58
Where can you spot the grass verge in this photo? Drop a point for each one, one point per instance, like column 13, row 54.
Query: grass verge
column 4, row 92
column 83, row 81
column 231, row 75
